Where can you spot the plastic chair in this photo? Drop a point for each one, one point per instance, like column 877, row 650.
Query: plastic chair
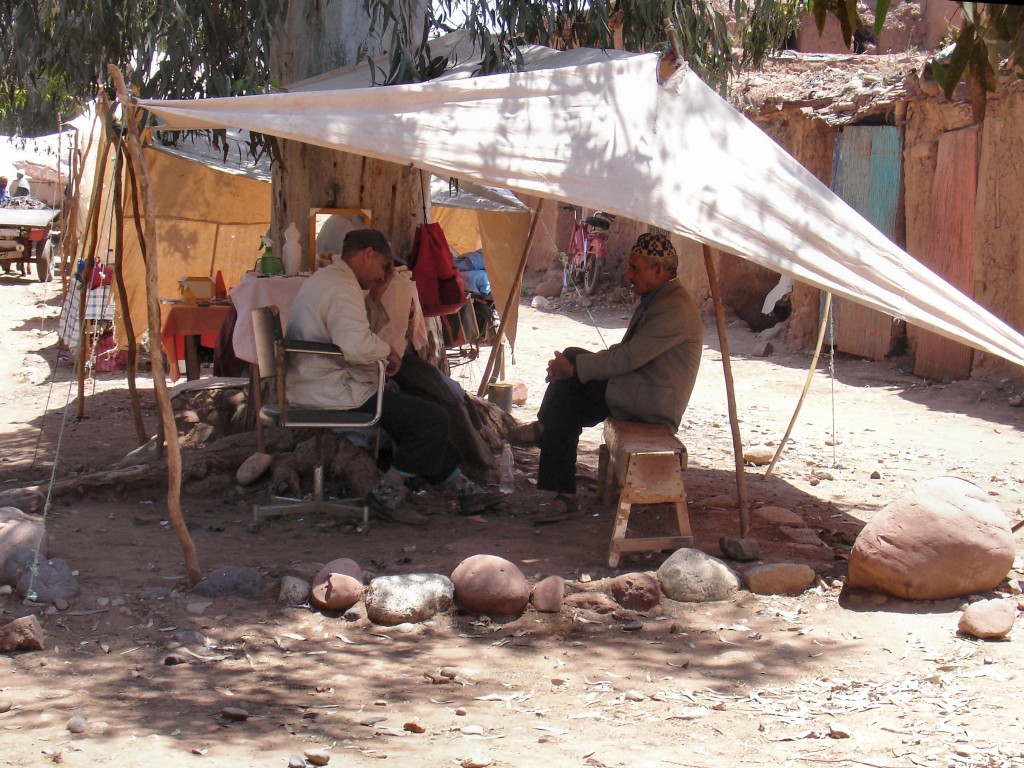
column 272, row 355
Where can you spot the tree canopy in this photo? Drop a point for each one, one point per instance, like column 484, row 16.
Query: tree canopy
column 54, row 53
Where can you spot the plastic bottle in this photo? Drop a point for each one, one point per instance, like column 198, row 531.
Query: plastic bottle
column 292, row 251
column 507, row 466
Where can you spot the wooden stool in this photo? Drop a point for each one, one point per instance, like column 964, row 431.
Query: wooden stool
column 647, row 462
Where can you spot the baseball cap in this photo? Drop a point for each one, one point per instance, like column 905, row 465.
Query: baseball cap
column 358, row 239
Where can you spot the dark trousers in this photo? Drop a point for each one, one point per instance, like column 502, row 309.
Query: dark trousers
column 420, row 431
column 568, row 406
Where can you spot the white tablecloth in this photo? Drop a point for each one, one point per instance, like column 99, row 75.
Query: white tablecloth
column 253, row 292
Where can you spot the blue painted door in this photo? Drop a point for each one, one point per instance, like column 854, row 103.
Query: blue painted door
column 867, row 174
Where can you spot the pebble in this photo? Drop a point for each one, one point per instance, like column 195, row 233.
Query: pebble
column 6, row 589
column 197, row 609
column 6, row 705
column 475, row 761
column 296, row 761
column 414, row 727
column 78, row 723
column 318, row 755
column 471, row 730
column 234, row 713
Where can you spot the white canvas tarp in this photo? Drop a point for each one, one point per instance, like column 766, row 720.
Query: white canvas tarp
column 607, row 135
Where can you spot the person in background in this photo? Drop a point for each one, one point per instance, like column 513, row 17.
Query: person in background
column 20, row 187
column 3, row 190
column 646, row 377
column 330, row 307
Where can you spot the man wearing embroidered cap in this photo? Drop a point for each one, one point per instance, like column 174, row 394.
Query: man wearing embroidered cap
column 648, row 376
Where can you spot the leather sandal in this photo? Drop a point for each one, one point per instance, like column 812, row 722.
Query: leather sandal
column 562, row 507
column 526, row 434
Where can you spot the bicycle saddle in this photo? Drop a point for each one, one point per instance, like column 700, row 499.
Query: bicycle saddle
column 600, row 220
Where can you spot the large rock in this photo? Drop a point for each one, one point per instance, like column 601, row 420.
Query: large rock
column 945, row 538
column 691, row 576
column 48, row 582
column 636, row 591
column 413, row 597
column 25, row 499
column 338, row 586
column 253, row 468
column 490, row 585
column 988, row 619
column 232, row 581
column 548, row 594
column 20, row 537
column 779, row 578
column 24, row 634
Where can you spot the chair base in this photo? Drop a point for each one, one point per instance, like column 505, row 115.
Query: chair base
column 353, row 508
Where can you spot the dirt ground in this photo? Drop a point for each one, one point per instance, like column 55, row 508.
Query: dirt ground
column 828, row 677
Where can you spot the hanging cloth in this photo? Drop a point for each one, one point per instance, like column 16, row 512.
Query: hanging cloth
column 438, row 281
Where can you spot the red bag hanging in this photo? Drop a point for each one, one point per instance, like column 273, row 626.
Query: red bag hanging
column 438, row 281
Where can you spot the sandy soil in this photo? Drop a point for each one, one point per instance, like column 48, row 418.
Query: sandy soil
column 824, row 678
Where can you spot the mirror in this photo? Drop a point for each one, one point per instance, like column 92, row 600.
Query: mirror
column 327, row 230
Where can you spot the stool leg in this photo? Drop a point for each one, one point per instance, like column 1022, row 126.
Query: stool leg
column 684, row 519
column 618, row 531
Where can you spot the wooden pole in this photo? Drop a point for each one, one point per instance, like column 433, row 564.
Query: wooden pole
column 513, row 296
column 122, row 291
column 730, row 393
column 88, row 253
column 153, row 305
column 807, row 384
column 141, row 236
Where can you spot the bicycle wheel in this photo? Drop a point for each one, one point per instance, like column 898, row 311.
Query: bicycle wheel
column 591, row 274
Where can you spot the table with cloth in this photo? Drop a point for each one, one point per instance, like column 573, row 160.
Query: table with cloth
column 180, row 327
column 253, row 292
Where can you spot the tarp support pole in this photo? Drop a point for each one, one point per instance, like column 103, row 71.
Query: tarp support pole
column 513, row 295
column 730, row 393
column 807, row 384
column 153, row 306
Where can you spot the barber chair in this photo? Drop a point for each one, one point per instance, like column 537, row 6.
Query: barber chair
column 272, row 354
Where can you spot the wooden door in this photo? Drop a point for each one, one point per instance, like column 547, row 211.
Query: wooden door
column 950, row 250
column 867, row 175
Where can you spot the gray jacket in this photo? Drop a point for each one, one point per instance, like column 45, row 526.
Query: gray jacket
column 651, row 372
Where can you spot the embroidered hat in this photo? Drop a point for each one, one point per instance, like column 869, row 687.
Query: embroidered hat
column 657, row 247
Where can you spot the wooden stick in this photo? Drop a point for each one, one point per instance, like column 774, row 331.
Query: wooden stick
column 513, row 296
column 89, row 253
column 153, row 305
column 141, row 237
column 737, row 441
column 122, row 291
column 807, row 385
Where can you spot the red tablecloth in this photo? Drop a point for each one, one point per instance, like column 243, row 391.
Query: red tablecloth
column 178, row 321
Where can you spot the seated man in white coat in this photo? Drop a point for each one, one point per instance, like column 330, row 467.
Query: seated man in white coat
column 330, row 308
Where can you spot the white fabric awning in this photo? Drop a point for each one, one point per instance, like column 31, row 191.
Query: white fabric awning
column 607, row 135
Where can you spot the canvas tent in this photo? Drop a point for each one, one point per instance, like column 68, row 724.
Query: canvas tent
column 211, row 208
column 608, row 134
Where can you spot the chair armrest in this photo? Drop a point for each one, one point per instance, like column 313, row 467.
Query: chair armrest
column 310, row 347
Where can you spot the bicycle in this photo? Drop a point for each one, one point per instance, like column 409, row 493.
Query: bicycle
column 583, row 260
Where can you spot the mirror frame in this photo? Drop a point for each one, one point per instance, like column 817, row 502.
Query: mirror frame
column 314, row 212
